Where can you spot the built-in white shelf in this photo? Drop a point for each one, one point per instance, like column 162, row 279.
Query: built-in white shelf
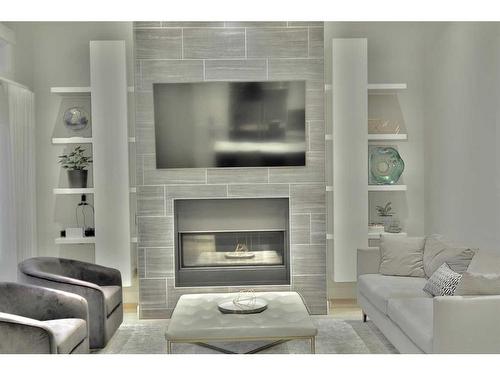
column 63, row 191
column 133, row 190
column 70, row 90
column 376, row 87
column 68, row 241
column 387, row 137
column 71, row 140
column 133, row 240
column 387, row 188
column 328, row 137
column 131, row 139
column 74, row 90
column 329, row 188
column 376, row 236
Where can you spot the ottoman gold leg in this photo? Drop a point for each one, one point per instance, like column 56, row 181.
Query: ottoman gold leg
column 313, row 345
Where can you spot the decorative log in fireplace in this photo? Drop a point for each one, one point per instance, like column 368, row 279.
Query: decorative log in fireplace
column 233, row 242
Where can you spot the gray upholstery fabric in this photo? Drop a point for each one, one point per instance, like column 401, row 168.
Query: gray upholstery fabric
column 68, row 333
column 25, row 311
column 112, row 297
column 86, row 280
column 402, row 256
column 415, row 318
column 438, row 251
column 380, row 288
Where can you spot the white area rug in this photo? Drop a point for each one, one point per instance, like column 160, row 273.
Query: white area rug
column 334, row 336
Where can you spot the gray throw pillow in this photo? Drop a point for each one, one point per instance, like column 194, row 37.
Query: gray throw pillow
column 478, row 284
column 443, row 282
column 402, row 256
column 438, row 251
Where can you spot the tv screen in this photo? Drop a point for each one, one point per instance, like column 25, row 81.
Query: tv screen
column 230, row 124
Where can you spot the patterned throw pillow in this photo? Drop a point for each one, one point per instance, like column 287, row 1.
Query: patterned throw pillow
column 443, row 282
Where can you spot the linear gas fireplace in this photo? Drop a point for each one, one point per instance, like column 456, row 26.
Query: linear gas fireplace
column 232, row 242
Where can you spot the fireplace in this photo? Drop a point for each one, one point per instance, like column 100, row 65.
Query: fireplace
column 232, row 242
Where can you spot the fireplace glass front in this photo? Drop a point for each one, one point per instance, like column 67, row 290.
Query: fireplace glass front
column 230, row 249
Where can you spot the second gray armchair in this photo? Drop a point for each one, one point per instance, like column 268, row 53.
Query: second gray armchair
column 36, row 320
column 100, row 286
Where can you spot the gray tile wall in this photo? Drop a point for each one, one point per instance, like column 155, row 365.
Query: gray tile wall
column 197, row 51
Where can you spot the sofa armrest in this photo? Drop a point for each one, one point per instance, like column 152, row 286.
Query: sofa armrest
column 368, row 260
column 466, row 324
column 24, row 335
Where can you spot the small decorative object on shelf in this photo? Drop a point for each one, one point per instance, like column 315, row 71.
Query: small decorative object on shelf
column 379, row 126
column 76, row 118
column 76, row 162
column 240, row 252
column 375, row 228
column 385, row 213
column 385, row 165
column 89, row 231
column 394, row 226
column 74, row 232
column 244, row 303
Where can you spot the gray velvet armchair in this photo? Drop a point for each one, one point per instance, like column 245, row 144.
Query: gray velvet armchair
column 100, row 286
column 36, row 320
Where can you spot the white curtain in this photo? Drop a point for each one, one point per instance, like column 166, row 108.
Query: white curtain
column 17, row 173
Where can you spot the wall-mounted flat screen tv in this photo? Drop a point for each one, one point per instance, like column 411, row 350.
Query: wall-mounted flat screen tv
column 230, row 124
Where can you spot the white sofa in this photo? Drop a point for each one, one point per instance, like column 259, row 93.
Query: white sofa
column 416, row 322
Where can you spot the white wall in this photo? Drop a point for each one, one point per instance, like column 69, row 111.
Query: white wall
column 462, row 133
column 394, row 55
column 59, row 52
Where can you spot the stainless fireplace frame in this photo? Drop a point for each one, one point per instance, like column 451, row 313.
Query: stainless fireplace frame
column 245, row 275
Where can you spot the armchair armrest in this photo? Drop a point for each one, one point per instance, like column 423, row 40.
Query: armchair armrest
column 368, row 260
column 24, row 335
column 100, row 275
column 467, row 324
column 38, row 303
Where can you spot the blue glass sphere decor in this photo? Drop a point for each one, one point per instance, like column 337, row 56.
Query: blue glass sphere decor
column 386, row 165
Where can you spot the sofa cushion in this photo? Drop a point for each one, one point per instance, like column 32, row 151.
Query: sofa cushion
column 438, row 251
column 485, row 262
column 443, row 282
column 415, row 318
column 478, row 284
column 378, row 289
column 402, row 256
column 68, row 333
column 112, row 297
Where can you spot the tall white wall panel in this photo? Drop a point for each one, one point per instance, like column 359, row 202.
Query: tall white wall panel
column 350, row 154
column 108, row 83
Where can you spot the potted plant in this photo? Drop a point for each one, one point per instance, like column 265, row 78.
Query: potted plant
column 385, row 213
column 76, row 162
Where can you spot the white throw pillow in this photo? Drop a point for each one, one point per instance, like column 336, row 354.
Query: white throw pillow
column 478, row 284
column 443, row 282
column 438, row 251
column 402, row 256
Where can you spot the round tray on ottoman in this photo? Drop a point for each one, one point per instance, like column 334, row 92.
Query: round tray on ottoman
column 229, row 307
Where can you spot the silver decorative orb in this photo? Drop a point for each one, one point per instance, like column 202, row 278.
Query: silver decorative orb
column 76, row 118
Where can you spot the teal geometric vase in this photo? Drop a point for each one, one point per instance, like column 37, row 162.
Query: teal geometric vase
column 386, row 166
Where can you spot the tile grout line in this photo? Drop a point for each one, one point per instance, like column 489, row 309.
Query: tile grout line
column 165, row 200
column 246, row 53
column 182, row 43
column 308, row 43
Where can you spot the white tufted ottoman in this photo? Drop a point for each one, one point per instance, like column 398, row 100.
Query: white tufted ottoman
column 197, row 320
